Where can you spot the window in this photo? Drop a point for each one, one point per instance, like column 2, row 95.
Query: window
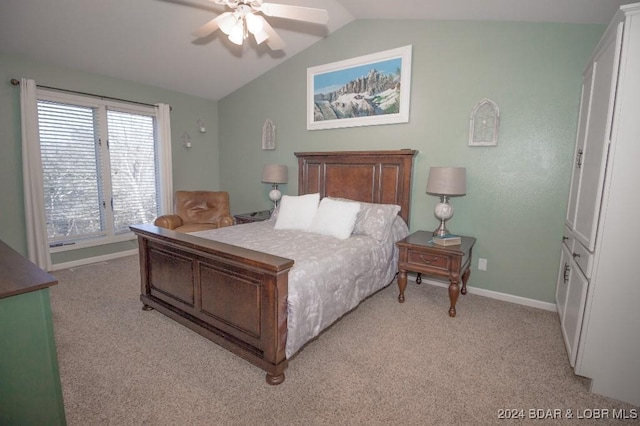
column 100, row 168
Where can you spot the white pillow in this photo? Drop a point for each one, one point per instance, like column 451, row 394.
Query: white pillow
column 297, row 212
column 335, row 218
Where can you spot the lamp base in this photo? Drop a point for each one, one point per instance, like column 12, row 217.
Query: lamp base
column 443, row 212
column 275, row 195
column 441, row 230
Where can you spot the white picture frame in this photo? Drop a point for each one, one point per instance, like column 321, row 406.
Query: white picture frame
column 340, row 95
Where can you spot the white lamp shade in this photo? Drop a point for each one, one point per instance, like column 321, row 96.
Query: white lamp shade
column 448, row 181
column 226, row 22
column 237, row 33
column 275, row 173
column 254, row 24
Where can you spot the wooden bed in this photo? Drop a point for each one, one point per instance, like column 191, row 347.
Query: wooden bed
column 237, row 297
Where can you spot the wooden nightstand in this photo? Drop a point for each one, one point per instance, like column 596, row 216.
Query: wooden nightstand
column 252, row 217
column 419, row 254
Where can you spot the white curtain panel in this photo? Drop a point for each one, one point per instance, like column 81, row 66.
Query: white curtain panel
column 37, row 246
column 163, row 113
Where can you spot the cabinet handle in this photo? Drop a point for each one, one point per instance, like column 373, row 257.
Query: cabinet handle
column 428, row 261
column 579, row 159
column 564, row 239
column 576, row 255
column 565, row 273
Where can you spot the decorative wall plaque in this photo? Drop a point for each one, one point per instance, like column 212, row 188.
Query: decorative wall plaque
column 268, row 135
column 484, row 124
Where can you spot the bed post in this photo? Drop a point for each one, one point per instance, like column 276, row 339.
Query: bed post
column 275, row 331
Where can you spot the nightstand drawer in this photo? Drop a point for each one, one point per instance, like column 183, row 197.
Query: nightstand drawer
column 434, row 261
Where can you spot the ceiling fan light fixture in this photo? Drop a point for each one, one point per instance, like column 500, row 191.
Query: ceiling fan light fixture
column 237, row 33
column 246, row 17
column 227, row 22
column 254, row 24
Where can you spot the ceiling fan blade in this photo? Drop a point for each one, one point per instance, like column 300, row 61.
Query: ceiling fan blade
column 274, row 41
column 299, row 13
column 210, row 26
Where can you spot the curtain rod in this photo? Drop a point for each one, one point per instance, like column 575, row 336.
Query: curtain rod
column 16, row 82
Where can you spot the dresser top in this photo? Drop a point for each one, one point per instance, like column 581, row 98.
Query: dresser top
column 18, row 275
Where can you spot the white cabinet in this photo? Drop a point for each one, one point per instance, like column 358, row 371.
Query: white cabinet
column 598, row 293
column 574, row 312
column 591, row 154
column 585, row 103
column 571, row 295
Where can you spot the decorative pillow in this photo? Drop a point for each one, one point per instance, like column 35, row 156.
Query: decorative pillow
column 375, row 220
column 335, row 218
column 297, row 212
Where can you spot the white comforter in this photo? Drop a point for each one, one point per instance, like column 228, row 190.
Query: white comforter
column 329, row 277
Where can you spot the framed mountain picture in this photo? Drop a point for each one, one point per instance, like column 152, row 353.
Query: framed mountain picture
column 363, row 91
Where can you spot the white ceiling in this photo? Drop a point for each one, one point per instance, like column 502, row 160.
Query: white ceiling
column 150, row 41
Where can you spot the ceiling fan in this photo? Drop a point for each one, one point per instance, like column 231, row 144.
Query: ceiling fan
column 246, row 18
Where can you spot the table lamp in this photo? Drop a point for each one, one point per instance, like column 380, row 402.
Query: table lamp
column 446, row 182
column 275, row 174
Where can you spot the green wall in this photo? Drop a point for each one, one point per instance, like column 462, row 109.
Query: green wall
column 516, row 192
column 196, row 168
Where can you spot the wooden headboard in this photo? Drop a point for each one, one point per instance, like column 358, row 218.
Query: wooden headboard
column 370, row 176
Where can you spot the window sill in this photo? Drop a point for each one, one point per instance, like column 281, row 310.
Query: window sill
column 91, row 242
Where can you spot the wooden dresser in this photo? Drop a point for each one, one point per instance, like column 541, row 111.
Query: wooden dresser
column 30, row 390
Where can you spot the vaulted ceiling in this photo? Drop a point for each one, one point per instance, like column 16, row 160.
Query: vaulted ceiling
column 150, row 41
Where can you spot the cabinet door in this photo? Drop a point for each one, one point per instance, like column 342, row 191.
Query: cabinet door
column 574, row 310
column 563, row 281
column 583, row 120
column 594, row 157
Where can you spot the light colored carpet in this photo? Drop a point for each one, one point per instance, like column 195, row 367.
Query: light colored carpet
column 384, row 363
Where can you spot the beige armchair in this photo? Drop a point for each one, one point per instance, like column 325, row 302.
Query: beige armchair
column 197, row 211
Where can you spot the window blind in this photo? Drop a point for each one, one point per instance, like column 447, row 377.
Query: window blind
column 70, row 170
column 100, row 168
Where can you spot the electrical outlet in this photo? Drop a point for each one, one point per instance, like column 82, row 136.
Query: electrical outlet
column 482, row 264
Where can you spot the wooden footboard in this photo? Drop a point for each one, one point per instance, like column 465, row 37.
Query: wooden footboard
column 233, row 296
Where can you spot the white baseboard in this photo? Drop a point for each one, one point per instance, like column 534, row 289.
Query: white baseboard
column 96, row 259
column 472, row 290
column 495, row 295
